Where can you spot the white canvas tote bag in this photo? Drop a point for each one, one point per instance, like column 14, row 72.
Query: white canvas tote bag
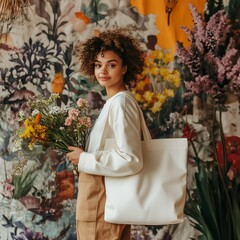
column 156, row 195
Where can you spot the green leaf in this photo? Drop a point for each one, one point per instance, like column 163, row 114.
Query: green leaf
column 193, row 211
column 23, row 184
column 217, row 198
column 236, row 206
column 205, row 199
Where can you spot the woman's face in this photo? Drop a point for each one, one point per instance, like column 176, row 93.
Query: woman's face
column 109, row 72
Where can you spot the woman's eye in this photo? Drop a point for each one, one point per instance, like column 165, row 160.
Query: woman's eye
column 112, row 66
column 97, row 65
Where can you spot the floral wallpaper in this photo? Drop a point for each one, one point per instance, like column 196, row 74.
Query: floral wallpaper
column 38, row 189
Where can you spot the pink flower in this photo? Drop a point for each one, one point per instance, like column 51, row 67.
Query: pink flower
column 73, row 113
column 211, row 63
column 86, row 121
column 7, row 188
column 68, row 121
column 82, row 102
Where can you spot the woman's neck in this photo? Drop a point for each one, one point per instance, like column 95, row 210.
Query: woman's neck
column 112, row 92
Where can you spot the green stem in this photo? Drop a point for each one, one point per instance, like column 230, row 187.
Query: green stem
column 223, row 179
column 194, row 149
column 200, row 217
column 153, row 88
column 78, row 137
column 215, row 151
column 223, row 143
column 5, row 168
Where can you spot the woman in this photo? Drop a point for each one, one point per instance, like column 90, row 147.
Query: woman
column 114, row 59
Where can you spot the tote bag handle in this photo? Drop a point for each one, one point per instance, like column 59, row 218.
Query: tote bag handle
column 146, row 134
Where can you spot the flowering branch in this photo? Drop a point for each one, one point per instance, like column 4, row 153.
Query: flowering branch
column 213, row 60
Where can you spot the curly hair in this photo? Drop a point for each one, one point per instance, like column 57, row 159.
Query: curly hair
column 120, row 42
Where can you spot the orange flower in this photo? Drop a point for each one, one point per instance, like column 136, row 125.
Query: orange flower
column 146, row 80
column 83, row 17
column 38, row 118
column 58, row 83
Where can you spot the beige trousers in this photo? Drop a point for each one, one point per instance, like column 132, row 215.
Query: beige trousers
column 90, row 212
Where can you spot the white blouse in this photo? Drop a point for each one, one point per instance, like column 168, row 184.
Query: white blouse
column 119, row 119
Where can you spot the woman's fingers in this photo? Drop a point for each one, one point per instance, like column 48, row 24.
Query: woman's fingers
column 72, row 148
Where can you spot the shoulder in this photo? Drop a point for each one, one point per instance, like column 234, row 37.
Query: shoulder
column 122, row 104
column 124, row 99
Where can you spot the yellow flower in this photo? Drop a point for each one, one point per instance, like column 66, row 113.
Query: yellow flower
column 167, row 57
column 138, row 97
column 176, row 78
column 148, row 96
column 159, row 55
column 161, row 98
column 163, row 71
column 154, row 71
column 156, row 107
column 43, row 135
column 30, row 145
column 169, row 92
column 163, row 79
column 28, row 129
column 140, row 86
column 39, row 129
column 147, row 62
column 33, row 131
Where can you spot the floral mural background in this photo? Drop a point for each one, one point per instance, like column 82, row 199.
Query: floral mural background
column 38, row 189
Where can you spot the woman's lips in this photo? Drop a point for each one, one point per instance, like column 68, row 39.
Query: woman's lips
column 104, row 78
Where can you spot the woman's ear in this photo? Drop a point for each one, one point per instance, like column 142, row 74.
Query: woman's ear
column 124, row 70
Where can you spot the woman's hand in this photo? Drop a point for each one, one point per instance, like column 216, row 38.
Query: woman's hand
column 74, row 154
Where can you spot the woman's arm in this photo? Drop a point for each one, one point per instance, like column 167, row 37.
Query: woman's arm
column 126, row 158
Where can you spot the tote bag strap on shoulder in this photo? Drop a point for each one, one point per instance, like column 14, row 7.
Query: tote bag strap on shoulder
column 144, row 128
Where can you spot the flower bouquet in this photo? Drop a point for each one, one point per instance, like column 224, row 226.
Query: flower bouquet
column 51, row 127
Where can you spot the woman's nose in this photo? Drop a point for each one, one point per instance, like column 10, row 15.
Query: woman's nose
column 103, row 69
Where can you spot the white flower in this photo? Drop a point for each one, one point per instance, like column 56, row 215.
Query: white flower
column 17, row 145
column 35, row 112
column 21, row 114
column 55, row 110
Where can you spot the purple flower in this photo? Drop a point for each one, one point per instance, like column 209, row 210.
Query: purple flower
column 212, row 62
column 217, row 30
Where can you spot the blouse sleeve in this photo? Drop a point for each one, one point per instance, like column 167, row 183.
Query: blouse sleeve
column 126, row 158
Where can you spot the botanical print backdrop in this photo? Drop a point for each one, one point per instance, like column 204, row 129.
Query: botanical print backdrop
column 38, row 195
